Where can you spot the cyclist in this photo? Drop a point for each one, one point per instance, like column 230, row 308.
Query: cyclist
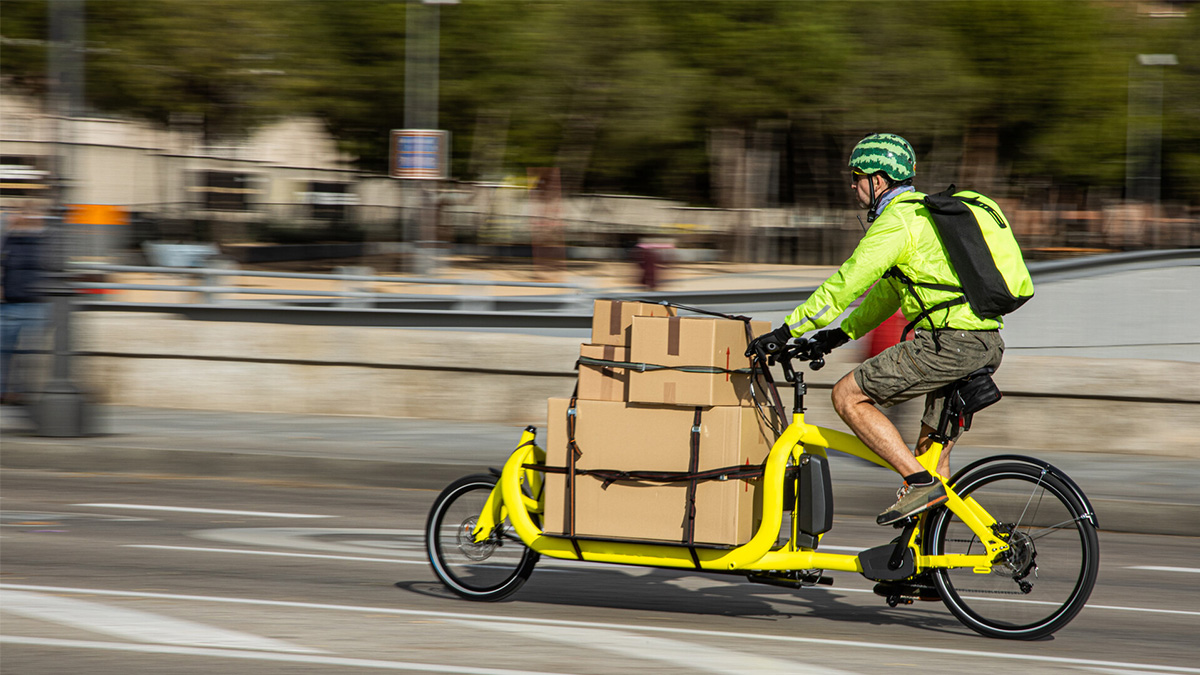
column 949, row 343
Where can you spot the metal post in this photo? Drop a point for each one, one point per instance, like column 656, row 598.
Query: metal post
column 63, row 409
column 421, row 51
column 1143, row 147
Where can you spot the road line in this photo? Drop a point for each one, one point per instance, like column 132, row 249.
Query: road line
column 197, row 549
column 850, row 644
column 1155, row 568
column 265, row 656
column 186, row 509
column 133, row 624
column 695, row 657
column 194, row 549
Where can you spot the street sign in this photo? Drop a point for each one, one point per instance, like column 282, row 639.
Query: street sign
column 422, row 154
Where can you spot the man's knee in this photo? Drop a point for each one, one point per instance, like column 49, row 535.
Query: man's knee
column 846, row 394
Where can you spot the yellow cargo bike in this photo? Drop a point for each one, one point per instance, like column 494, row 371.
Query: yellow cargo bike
column 1013, row 553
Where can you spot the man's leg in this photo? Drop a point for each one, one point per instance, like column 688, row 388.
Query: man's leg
column 872, row 427
column 921, row 490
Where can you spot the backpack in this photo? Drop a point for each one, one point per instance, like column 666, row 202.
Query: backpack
column 983, row 252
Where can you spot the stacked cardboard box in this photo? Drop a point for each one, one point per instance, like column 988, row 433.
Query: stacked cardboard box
column 635, row 419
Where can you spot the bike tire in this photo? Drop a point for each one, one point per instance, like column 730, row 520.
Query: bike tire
column 488, row 571
column 1046, row 577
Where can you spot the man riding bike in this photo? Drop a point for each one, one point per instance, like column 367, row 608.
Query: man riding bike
column 903, row 257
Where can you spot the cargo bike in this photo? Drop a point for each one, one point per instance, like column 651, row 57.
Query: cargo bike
column 1013, row 552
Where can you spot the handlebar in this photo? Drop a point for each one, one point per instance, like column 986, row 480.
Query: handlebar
column 796, row 349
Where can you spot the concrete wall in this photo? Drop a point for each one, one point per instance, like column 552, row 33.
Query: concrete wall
column 1051, row 402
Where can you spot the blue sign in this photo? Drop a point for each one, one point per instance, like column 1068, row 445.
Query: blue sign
column 420, row 154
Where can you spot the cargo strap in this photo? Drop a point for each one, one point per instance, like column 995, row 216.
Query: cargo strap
column 647, row 367
column 573, row 455
column 689, row 527
column 610, row 476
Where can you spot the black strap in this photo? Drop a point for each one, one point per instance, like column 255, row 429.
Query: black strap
column 610, row 476
column 573, row 455
column 926, row 312
column 648, row 367
column 689, row 527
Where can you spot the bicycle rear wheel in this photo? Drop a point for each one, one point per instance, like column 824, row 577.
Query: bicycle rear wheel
column 489, row 570
column 1047, row 575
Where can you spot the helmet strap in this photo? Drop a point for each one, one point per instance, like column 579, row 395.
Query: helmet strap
column 872, row 214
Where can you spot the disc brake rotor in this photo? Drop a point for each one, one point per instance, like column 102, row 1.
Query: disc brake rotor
column 467, row 544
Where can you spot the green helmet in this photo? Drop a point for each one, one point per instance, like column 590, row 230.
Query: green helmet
column 888, row 153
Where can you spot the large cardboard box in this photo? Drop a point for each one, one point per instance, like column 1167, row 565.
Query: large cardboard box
column 691, row 341
column 603, row 383
column 614, row 435
column 612, row 319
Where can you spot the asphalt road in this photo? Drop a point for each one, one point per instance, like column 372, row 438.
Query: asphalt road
column 304, row 578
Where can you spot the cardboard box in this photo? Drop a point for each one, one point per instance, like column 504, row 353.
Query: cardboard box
column 691, row 341
column 612, row 320
column 603, row 383
column 614, row 435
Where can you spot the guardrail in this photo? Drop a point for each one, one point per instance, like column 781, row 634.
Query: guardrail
column 570, row 310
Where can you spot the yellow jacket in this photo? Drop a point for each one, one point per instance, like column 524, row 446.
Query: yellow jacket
column 903, row 236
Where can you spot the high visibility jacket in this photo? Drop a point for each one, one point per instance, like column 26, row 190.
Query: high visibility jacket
column 903, row 236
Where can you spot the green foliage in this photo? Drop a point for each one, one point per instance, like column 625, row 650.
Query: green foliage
column 624, row 95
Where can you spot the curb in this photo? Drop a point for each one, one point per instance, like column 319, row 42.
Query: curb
column 857, row 499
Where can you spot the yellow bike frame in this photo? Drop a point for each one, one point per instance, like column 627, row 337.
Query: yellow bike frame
column 510, row 500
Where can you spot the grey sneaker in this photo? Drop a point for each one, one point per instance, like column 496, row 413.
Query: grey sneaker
column 911, row 500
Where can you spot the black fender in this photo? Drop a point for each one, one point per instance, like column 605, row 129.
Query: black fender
column 1044, row 465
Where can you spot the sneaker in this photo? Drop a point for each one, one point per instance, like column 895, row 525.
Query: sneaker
column 911, row 500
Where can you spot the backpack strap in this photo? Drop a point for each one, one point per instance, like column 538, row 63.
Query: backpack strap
column 895, row 273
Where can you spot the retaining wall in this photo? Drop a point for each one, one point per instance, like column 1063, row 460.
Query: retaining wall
column 1054, row 403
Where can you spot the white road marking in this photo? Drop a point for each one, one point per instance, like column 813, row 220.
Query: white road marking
column 695, row 657
column 1121, row 671
column 1155, row 568
column 197, row 549
column 311, row 538
column 285, row 554
column 188, row 509
column 529, row 621
column 264, row 656
column 133, row 624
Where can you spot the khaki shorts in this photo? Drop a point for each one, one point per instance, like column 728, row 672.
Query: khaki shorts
column 919, row 367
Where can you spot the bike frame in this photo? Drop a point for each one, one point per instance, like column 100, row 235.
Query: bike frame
column 510, row 500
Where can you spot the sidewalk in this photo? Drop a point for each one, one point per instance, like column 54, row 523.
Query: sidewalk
column 1148, row 494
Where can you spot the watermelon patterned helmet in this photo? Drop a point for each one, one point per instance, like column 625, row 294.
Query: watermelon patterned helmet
column 888, row 153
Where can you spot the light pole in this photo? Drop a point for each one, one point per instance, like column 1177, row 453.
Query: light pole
column 1143, row 140
column 422, row 30
column 63, row 409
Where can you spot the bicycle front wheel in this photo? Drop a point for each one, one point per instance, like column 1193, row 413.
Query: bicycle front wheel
column 1046, row 576
column 489, row 570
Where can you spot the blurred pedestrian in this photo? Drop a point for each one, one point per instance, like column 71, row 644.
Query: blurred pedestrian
column 23, row 264
column 650, row 257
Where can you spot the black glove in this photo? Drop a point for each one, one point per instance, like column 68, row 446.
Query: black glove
column 829, row 340
column 771, row 343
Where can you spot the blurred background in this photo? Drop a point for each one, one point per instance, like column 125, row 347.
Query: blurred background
column 581, row 129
